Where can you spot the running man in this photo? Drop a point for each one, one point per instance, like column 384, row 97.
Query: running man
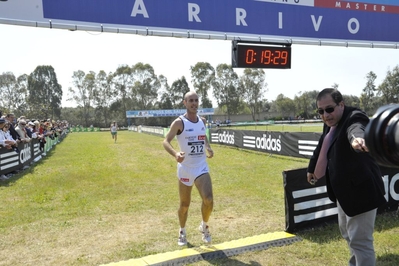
column 114, row 131
column 192, row 167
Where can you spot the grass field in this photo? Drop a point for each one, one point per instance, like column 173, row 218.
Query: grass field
column 91, row 201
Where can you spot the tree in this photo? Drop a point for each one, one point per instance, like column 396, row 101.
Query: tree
column 145, row 86
column 83, row 93
column 103, row 95
column 202, row 75
column 389, row 88
column 366, row 98
column 21, row 102
column 45, row 93
column 177, row 91
column 285, row 106
column 253, row 89
column 226, row 89
column 165, row 101
column 305, row 104
column 12, row 91
column 351, row 100
column 123, row 82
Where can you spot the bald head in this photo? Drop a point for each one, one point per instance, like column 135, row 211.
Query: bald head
column 189, row 94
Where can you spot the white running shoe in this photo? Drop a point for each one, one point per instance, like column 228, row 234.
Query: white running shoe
column 206, row 236
column 182, row 241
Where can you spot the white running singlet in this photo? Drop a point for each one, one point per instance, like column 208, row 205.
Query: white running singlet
column 192, row 142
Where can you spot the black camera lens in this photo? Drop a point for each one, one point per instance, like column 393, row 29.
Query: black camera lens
column 382, row 135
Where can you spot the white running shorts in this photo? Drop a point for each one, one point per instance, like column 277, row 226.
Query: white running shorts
column 188, row 175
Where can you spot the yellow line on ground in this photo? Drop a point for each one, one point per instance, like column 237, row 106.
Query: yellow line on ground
column 195, row 252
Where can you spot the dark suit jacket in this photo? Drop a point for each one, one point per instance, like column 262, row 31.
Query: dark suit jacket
column 353, row 178
column 28, row 132
column 14, row 134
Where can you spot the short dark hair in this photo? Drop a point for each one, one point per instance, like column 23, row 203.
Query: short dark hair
column 335, row 95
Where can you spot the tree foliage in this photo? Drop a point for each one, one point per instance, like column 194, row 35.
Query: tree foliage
column 366, row 98
column 226, row 89
column 177, row 91
column 45, row 94
column 8, row 91
column 305, row 104
column 254, row 87
column 102, row 97
column 389, row 88
column 284, row 105
column 145, row 86
column 202, row 76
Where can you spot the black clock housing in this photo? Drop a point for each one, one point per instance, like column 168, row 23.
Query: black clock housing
column 261, row 55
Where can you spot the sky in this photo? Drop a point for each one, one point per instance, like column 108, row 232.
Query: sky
column 312, row 67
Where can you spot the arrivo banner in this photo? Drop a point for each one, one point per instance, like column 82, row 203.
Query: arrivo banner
column 365, row 20
column 349, row 20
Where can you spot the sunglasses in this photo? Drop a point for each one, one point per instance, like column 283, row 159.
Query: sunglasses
column 328, row 110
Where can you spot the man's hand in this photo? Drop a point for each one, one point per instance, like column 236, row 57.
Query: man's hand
column 311, row 178
column 359, row 144
column 210, row 152
column 179, row 156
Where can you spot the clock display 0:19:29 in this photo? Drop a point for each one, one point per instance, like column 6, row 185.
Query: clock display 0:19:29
column 253, row 56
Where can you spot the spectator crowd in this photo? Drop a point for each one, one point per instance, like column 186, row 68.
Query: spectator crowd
column 22, row 130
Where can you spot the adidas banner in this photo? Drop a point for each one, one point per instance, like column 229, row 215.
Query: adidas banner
column 294, row 144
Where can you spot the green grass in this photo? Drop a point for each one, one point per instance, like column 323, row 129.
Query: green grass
column 92, row 202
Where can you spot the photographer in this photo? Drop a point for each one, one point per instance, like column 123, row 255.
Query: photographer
column 382, row 135
column 353, row 178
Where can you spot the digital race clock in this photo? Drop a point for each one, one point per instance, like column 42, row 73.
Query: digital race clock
column 261, row 55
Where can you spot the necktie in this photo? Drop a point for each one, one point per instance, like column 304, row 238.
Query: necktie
column 321, row 165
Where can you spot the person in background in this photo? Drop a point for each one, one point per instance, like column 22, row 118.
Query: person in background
column 22, row 131
column 192, row 167
column 34, row 129
column 11, row 120
column 5, row 141
column 43, row 133
column 7, row 135
column 28, row 128
column 353, row 178
column 114, row 131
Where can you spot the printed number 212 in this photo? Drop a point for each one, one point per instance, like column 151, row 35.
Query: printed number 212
column 197, row 149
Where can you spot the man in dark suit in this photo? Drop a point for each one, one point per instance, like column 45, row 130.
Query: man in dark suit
column 353, row 178
column 10, row 118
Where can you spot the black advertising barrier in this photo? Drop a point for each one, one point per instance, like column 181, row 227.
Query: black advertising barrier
column 298, row 144
column 11, row 161
column 305, row 205
column 308, row 206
